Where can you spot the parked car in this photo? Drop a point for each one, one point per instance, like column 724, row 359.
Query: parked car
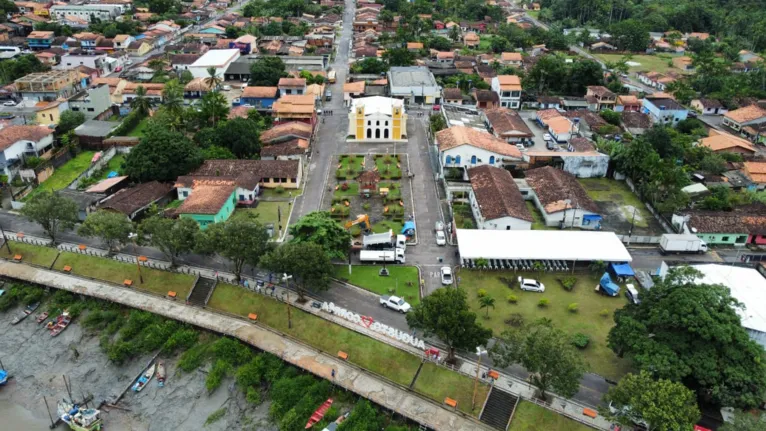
column 437, row 108
column 521, row 147
column 395, row 303
column 441, row 239
column 531, row 284
column 632, row 293
column 550, row 145
column 227, row 88
column 547, row 137
column 446, row 275
column 9, row 103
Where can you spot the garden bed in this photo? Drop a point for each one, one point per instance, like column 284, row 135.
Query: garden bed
column 402, row 281
column 349, row 166
column 388, row 166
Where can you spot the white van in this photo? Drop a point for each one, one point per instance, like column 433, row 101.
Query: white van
column 632, row 293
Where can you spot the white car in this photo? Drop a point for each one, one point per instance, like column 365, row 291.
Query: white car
column 441, row 239
column 531, row 284
column 395, row 303
column 446, row 275
column 547, row 137
column 227, row 88
column 9, row 103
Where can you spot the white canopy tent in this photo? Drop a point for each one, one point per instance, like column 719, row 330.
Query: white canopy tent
column 541, row 245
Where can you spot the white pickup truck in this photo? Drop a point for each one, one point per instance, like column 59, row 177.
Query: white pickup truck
column 395, row 303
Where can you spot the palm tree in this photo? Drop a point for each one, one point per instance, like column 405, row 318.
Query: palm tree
column 487, row 301
column 157, row 64
column 140, row 103
column 173, row 99
column 213, row 80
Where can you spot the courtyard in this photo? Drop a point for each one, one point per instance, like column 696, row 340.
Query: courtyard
column 592, row 317
column 620, row 207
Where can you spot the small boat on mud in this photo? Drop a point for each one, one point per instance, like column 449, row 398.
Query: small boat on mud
column 319, row 413
column 145, row 378
column 24, row 314
column 61, row 323
column 79, row 419
column 41, row 317
column 3, row 377
column 161, row 373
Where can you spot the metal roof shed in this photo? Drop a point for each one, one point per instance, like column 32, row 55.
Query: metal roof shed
column 577, row 246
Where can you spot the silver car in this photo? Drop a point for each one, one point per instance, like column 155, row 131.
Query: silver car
column 446, row 272
column 531, row 285
column 441, row 239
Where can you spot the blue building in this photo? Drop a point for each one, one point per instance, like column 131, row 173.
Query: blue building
column 259, row 97
column 664, row 110
column 38, row 40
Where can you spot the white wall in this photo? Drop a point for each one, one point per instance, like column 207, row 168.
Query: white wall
column 573, row 215
column 502, row 223
column 466, row 152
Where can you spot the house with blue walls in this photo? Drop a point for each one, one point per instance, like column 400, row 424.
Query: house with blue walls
column 664, row 110
column 259, row 97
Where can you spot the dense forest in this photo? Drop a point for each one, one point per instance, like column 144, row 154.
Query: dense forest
column 742, row 20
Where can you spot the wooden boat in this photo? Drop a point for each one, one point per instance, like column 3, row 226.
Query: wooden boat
column 78, row 418
column 24, row 314
column 161, row 373
column 61, row 323
column 319, row 413
column 145, row 378
column 3, row 377
column 41, row 317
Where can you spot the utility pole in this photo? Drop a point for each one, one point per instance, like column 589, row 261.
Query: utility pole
column 480, row 352
column 133, row 236
column 5, row 240
column 287, row 278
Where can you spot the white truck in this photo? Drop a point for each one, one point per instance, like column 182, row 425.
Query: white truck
column 382, row 256
column 384, row 241
column 395, row 303
column 681, row 243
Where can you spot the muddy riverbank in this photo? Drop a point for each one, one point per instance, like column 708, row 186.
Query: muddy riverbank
column 37, row 362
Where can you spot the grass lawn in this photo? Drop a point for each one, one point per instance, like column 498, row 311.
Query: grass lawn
column 389, row 170
column 267, row 213
column 155, row 280
column 394, row 190
column 351, row 190
column 531, row 417
column 114, row 165
column 438, row 383
column 385, row 225
column 381, row 358
column 174, row 204
column 608, row 190
column 652, row 63
column 485, row 41
column 350, row 166
column 286, row 193
column 587, row 320
column 366, row 277
column 64, row 175
column 138, row 131
column 539, row 222
column 36, row 254
column 534, row 13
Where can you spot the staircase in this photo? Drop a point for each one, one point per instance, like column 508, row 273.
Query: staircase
column 498, row 409
column 201, row 291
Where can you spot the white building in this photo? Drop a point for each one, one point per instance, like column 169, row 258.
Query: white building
column 465, row 147
column 496, row 201
column 17, row 142
column 508, row 87
column 747, row 286
column 95, row 60
column 220, row 59
column 562, row 200
column 103, row 12
column 416, row 84
column 377, row 119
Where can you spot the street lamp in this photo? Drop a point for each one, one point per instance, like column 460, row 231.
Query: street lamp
column 133, row 237
column 286, row 278
column 480, row 352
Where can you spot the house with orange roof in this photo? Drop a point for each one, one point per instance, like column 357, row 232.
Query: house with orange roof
column 352, row 90
column 510, row 59
column 295, row 108
column 471, row 40
column 259, row 97
column 414, row 46
column 508, row 88
column 465, row 147
column 743, row 117
column 722, row 142
column 756, row 171
column 627, row 103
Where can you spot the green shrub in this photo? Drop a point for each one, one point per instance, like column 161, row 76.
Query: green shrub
column 604, row 313
column 253, row 396
column 572, row 307
column 279, row 190
column 468, row 224
column 481, row 293
column 355, row 230
column 543, row 303
column 580, row 340
column 366, row 206
column 220, row 369
column 215, row 416
column 512, row 298
column 569, row 283
column 515, row 319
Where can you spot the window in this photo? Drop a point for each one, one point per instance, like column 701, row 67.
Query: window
column 377, row 123
column 448, row 160
column 724, row 238
column 74, row 108
column 294, row 180
column 241, row 197
column 457, row 160
column 491, row 160
column 369, row 123
column 186, row 194
column 473, row 160
column 506, row 94
column 90, row 109
column 507, row 228
column 386, row 123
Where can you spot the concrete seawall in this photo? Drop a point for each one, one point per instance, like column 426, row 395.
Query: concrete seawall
column 380, row 391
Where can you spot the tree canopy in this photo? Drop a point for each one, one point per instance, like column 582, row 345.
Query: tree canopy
column 689, row 332
column 662, row 404
column 319, row 227
column 445, row 314
column 309, row 265
column 69, row 120
column 51, row 211
column 552, row 75
column 243, row 241
column 112, row 228
column 267, row 71
column 172, row 237
column 162, row 155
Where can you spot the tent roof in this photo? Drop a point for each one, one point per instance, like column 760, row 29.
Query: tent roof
column 540, row 244
column 622, row 269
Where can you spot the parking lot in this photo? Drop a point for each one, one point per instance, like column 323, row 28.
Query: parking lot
column 538, row 131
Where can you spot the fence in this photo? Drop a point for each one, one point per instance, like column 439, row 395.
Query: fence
column 639, row 239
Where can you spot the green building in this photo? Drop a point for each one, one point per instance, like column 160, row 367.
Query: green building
column 209, row 202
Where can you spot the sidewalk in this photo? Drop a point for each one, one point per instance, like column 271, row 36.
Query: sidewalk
column 386, row 394
column 468, row 366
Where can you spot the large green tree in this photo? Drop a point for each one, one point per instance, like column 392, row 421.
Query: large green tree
column 172, row 237
column 242, row 240
column 51, row 211
column 399, row 57
column 690, row 332
column 309, row 265
column 213, row 108
column 111, row 227
column 267, row 71
column 240, row 135
column 630, row 35
column 445, row 314
column 319, row 227
column 162, row 155
column 546, row 352
column 141, row 103
column 69, row 120
column 663, row 405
